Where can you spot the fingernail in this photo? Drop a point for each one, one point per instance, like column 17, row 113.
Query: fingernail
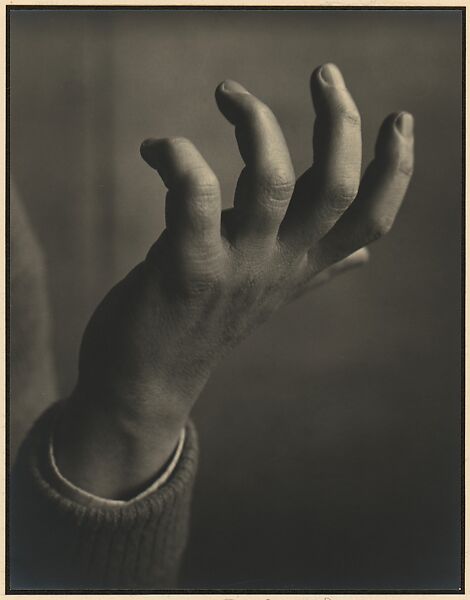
column 404, row 123
column 331, row 75
column 232, row 87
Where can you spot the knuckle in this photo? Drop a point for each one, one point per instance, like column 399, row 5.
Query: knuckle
column 202, row 183
column 349, row 114
column 400, row 162
column 278, row 184
column 175, row 141
column 343, row 193
column 175, row 144
column 204, row 283
column 259, row 111
column 406, row 167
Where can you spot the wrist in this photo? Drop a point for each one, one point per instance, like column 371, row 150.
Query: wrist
column 140, row 401
column 110, row 452
column 77, row 494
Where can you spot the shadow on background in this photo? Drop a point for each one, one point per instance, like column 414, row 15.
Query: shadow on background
column 330, row 440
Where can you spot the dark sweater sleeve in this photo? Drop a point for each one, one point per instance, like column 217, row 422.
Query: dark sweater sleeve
column 59, row 544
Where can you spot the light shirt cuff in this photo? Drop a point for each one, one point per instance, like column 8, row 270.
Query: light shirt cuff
column 72, row 492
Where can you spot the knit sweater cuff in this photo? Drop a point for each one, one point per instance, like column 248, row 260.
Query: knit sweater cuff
column 59, row 543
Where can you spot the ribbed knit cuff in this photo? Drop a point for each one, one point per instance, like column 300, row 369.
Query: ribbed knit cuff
column 58, row 543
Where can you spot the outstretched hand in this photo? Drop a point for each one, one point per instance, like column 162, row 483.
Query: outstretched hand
column 214, row 275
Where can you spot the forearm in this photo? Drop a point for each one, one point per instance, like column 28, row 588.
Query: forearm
column 62, row 542
column 113, row 448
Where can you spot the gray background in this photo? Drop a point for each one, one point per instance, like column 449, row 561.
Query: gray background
column 330, row 439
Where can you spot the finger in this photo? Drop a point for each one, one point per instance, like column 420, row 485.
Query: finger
column 326, row 190
column 355, row 260
column 380, row 195
column 193, row 204
column 267, row 182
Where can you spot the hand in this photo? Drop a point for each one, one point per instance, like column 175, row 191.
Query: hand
column 213, row 276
